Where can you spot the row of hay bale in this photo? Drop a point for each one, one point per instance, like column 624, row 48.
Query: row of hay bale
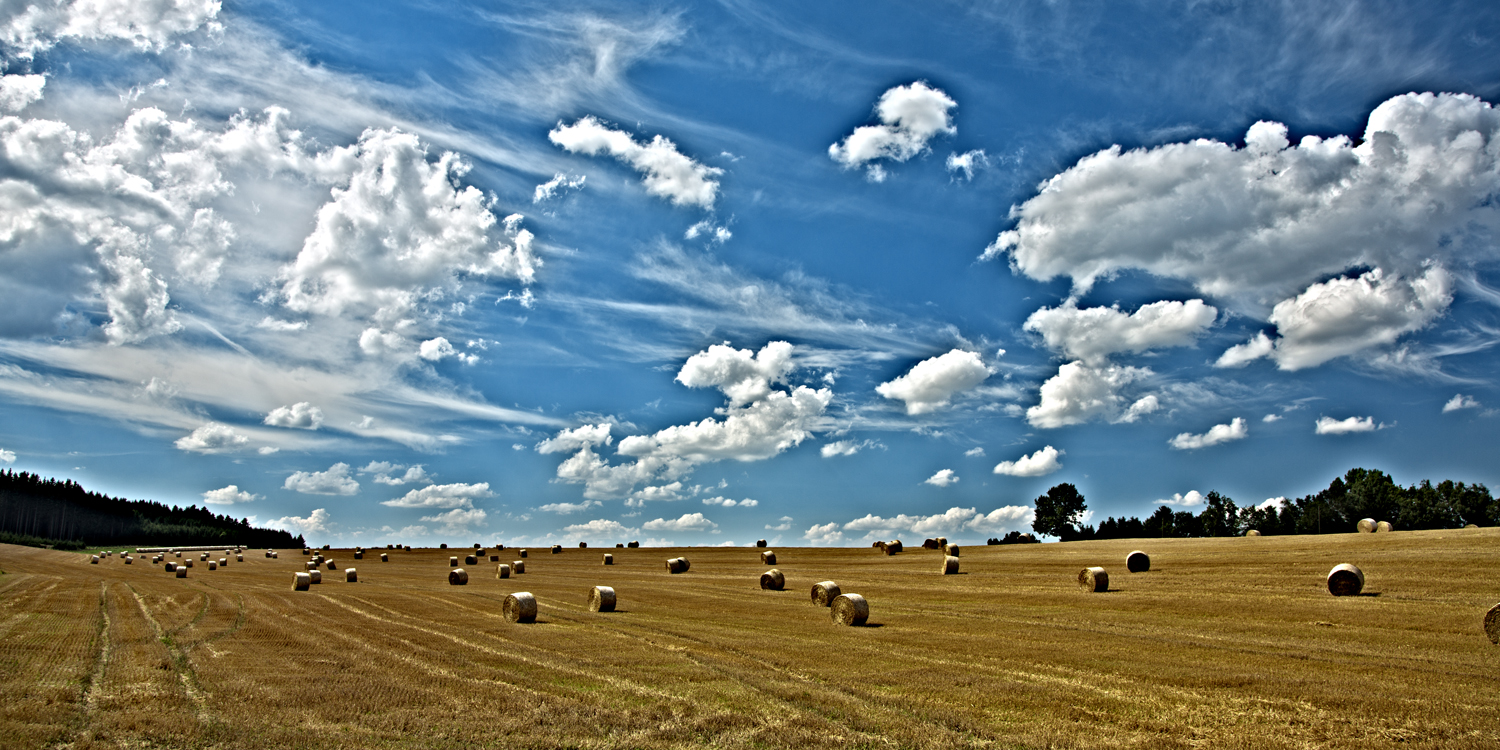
column 845, row 609
column 1344, row 580
column 302, row 580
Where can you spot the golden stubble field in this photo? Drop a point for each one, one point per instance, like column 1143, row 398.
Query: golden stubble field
column 1223, row 643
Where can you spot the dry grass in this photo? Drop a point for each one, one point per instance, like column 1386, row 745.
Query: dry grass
column 1224, row 644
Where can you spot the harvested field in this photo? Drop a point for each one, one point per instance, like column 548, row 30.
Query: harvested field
column 1227, row 642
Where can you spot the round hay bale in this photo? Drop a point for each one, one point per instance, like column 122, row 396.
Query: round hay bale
column 583, row 545
column 458, row 577
column 1472, row 526
column 301, row 581
column 519, row 607
column 452, row 562
column 1346, row 580
column 359, row 554
column 385, row 557
column 444, row 545
column 178, row 553
column 471, row 560
column 351, row 575
column 677, row 565
column 1253, row 532
column 1383, row 526
column 128, row 559
column 1137, row 562
column 188, row 563
column 522, row 553
column 275, row 555
column 312, row 566
column 317, row 575
column 929, row 544
column 878, row 544
column 609, row 559
column 942, row 542
column 850, row 609
column 1492, row 624
column 633, row 545
column 893, row 546
column 333, row 565
column 1366, row 525
column 1093, row 579
column 171, row 567
column 93, row 559
column 602, row 599
column 950, row 565
column 213, row 565
column 181, row 572
column 494, row 558
column 619, row 545
column 557, row 549
column 239, row 558
column 768, row 558
column 951, row 550
column 502, row 571
column 518, row 566
column 760, row 542
column 305, row 551
column 772, row 580
column 824, row 592
column 223, row 562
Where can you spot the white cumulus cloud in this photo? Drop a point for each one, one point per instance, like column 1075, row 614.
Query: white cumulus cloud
column 149, row 26
column 942, row 478
column 725, row 502
column 455, row 495
column 1460, row 401
column 570, row 441
column 910, row 116
column 824, row 534
column 785, row 524
column 685, row 522
column 743, row 376
column 564, row 509
column 1219, row 433
column 213, row 438
column 967, row 162
column 302, row 415
column 1192, row 499
column 932, row 383
column 229, row 496
column 334, row 481
column 559, row 183
column 316, row 522
column 667, row 173
column 1092, row 333
column 953, row 520
column 1080, row 392
column 599, row 528
column 1041, row 463
column 457, row 521
column 1331, row 426
column 7, row 456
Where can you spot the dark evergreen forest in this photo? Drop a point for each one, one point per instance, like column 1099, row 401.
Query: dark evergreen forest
column 63, row 515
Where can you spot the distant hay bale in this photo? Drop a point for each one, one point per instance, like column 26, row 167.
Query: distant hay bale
column 824, row 592
column 385, row 557
column 471, row 560
column 275, row 556
column 557, row 549
column 178, row 553
column 619, row 545
column 850, row 609
column 677, row 565
column 519, row 607
column 1472, row 526
column 1346, row 580
column 522, row 553
column 951, row 550
column 458, row 577
column 333, row 565
column 1093, row 579
column 602, row 599
column 494, row 558
column 1366, row 525
column 1492, row 624
column 443, row 546
column 351, row 575
column 518, row 566
column 929, row 544
column 301, row 581
column 633, row 545
column 942, row 542
column 128, row 559
column 772, row 580
column 305, row 551
column 213, row 565
column 181, row 572
column 223, row 562
column 1137, row 562
column 1383, row 526
column 312, row 566
column 768, row 558
column 317, row 575
column 93, row 559
column 583, row 545
column 171, row 567
column 359, row 554
column 1252, row 532
column 453, row 562
column 609, row 559
column 892, row 547
column 878, row 545
column 188, row 563
column 950, row 565
column 760, row 542
column 239, row 558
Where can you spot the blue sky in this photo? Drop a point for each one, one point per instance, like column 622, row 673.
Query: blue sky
column 708, row 273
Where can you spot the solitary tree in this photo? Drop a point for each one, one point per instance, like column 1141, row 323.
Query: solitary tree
column 1059, row 511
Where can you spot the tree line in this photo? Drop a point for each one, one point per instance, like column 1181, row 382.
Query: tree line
column 1360, row 493
column 63, row 515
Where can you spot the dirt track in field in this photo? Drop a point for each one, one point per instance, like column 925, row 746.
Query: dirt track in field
column 1223, row 643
